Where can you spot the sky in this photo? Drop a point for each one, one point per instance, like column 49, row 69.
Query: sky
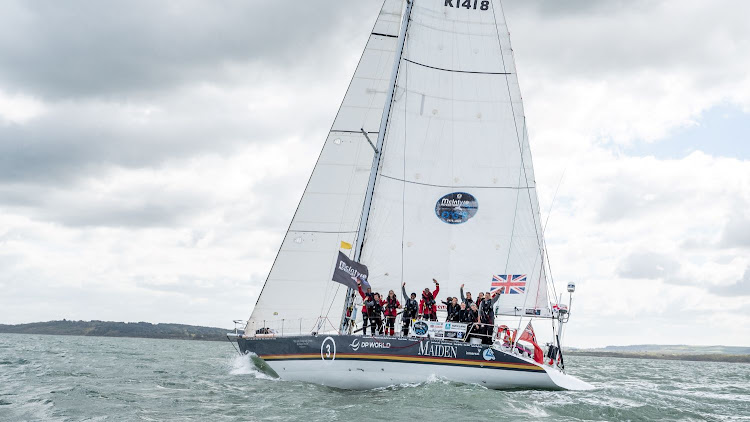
column 152, row 155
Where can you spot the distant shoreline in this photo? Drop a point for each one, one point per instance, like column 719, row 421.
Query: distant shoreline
column 708, row 357
column 118, row 329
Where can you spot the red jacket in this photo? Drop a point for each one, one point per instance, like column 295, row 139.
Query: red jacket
column 426, row 309
column 390, row 312
column 364, row 295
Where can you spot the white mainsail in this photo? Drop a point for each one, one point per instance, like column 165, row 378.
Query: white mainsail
column 457, row 132
column 330, row 208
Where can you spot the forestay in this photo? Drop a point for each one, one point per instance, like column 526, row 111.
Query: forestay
column 298, row 287
column 455, row 197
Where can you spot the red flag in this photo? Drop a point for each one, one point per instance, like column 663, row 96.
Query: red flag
column 528, row 335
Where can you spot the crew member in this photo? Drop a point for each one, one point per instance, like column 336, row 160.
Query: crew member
column 453, row 308
column 391, row 306
column 447, row 301
column 376, row 314
column 428, row 306
column 487, row 316
column 461, row 311
column 367, row 298
column 410, row 309
column 471, row 317
column 480, row 298
column 467, row 300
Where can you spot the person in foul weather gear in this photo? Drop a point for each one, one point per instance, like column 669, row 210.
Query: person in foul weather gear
column 376, row 314
column 453, row 308
column 461, row 311
column 471, row 317
column 392, row 305
column 480, row 298
column 467, row 299
column 411, row 307
column 487, row 316
column 428, row 305
column 367, row 297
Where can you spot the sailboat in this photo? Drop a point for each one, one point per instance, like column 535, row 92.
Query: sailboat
column 425, row 174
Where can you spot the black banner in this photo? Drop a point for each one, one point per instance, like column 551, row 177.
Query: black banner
column 346, row 270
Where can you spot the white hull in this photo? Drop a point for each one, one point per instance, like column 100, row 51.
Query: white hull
column 363, row 375
column 349, row 362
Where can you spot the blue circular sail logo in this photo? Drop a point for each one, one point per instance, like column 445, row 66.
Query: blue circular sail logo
column 456, row 207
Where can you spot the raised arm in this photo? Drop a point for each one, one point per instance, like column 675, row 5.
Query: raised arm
column 463, row 299
column 496, row 297
column 437, row 289
column 403, row 290
column 359, row 287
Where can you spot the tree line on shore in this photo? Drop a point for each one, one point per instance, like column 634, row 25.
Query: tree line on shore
column 118, row 329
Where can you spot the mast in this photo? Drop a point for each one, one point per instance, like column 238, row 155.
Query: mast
column 377, row 156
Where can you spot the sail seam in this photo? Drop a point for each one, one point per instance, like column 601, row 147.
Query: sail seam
column 456, row 71
column 456, row 187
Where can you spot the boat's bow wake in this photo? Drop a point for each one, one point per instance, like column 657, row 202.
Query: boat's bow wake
column 244, row 365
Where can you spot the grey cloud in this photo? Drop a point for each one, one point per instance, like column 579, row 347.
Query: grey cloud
column 585, row 38
column 648, row 265
column 75, row 139
column 556, row 7
column 631, row 201
column 147, row 206
column 93, row 48
column 740, row 288
column 736, row 233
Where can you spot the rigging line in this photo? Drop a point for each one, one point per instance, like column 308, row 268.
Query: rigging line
column 332, row 301
column 403, row 188
column 453, row 187
column 515, row 214
column 455, row 70
column 520, row 146
column 544, row 230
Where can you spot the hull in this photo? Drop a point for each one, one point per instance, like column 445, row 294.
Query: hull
column 358, row 362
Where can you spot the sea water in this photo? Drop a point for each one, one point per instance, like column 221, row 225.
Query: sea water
column 48, row 378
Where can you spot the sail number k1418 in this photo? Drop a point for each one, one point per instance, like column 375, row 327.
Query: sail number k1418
column 469, row 4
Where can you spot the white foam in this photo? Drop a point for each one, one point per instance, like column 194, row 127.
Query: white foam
column 243, row 365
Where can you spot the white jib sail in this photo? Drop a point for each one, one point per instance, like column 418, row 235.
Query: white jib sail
column 299, row 290
column 455, row 197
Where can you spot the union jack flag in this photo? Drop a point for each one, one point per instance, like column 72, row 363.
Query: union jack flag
column 508, row 284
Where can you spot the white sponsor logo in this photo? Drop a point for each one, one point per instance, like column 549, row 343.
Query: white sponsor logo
column 352, row 271
column 356, row 345
column 445, row 202
column 437, row 350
